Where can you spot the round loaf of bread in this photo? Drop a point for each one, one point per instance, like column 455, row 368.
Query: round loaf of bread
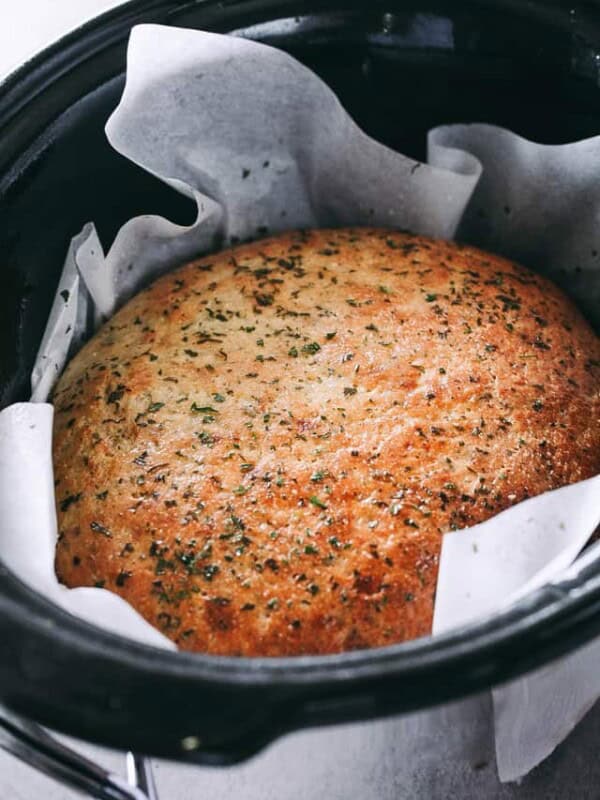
column 262, row 451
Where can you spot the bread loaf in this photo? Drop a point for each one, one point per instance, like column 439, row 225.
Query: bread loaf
column 262, row 450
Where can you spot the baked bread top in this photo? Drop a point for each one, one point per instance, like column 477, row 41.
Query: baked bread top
column 262, row 450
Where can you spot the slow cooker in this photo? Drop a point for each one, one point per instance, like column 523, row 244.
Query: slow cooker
column 399, row 68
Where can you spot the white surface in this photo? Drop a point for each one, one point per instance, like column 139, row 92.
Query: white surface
column 27, row 26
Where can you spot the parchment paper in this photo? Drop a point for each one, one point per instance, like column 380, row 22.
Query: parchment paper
column 261, row 144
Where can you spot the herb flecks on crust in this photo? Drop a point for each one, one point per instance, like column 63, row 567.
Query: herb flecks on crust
column 262, row 451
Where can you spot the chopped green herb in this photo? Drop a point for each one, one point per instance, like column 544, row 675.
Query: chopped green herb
column 162, row 565
column 116, row 395
column 203, row 409
column 311, row 348
column 318, row 475
column 122, row 577
column 68, row 501
column 264, row 299
column 314, row 500
column 98, row 528
column 209, row 571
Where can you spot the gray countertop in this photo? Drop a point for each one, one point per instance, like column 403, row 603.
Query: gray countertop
column 416, row 757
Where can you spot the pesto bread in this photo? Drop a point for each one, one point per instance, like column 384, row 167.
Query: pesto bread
column 262, row 450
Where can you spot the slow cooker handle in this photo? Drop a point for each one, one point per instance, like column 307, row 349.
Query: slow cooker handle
column 33, row 745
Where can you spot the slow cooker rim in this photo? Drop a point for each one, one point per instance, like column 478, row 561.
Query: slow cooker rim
column 26, row 81
column 553, row 608
column 565, row 602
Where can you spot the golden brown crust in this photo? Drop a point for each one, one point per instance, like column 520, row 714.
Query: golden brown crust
column 262, row 450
